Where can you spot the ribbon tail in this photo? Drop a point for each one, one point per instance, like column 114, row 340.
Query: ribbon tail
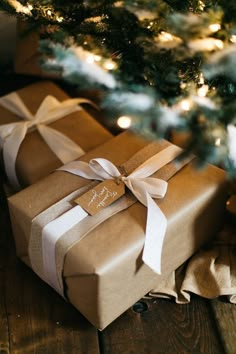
column 155, row 233
column 5, row 131
column 62, row 146
column 51, row 109
column 10, row 151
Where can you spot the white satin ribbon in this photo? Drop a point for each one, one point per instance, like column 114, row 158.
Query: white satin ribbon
column 144, row 188
column 50, row 110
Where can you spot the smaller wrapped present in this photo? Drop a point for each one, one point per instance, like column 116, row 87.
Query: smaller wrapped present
column 41, row 128
column 107, row 229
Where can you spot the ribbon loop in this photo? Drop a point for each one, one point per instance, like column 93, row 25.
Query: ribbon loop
column 50, row 110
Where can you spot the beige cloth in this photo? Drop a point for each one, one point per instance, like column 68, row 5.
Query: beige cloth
column 210, row 273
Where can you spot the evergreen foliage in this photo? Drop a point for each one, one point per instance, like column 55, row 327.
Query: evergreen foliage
column 166, row 64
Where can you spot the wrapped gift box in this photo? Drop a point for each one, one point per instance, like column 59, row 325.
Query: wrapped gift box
column 35, row 159
column 104, row 274
column 27, row 52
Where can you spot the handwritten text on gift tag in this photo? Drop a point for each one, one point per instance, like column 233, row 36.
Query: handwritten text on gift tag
column 101, row 196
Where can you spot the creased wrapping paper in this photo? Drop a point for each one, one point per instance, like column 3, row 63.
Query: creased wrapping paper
column 210, row 273
column 35, row 158
column 104, row 273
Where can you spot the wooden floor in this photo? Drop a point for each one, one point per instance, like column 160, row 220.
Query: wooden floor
column 34, row 319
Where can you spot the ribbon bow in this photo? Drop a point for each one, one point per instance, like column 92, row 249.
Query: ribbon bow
column 50, row 110
column 144, row 188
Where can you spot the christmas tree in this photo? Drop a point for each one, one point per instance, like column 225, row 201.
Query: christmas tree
column 160, row 65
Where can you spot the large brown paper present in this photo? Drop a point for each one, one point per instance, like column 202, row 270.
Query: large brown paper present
column 35, row 159
column 104, row 273
column 27, row 52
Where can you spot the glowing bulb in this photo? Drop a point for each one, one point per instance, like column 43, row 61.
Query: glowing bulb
column 214, row 27
column 218, row 142
column 49, row 12
column 201, row 5
column 109, row 65
column 185, row 105
column 219, row 44
column 201, row 79
column 97, row 57
column 90, row 58
column 124, row 122
column 166, row 37
column 202, row 91
column 30, row 7
column 233, row 38
column 59, row 19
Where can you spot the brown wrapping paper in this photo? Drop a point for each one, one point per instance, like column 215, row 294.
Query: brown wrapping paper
column 27, row 53
column 35, row 159
column 104, row 274
column 210, row 273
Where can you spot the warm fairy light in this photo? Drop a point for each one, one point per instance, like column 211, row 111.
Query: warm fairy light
column 185, row 105
column 30, row 7
column 59, row 18
column 109, row 65
column 165, row 37
column 150, row 25
column 207, row 44
column 183, row 85
column 233, row 38
column 97, row 58
column 202, row 91
column 214, row 27
column 90, row 58
column 218, row 142
column 219, row 44
column 201, row 5
column 201, row 79
column 49, row 12
column 124, row 122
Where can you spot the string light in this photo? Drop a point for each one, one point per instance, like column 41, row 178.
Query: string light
column 214, row 27
column 124, row 122
column 150, row 25
column 109, row 65
column 202, row 91
column 207, row 44
column 233, row 38
column 201, row 5
column 185, row 105
column 167, row 39
column 59, row 18
column 97, row 58
column 201, row 79
column 218, row 142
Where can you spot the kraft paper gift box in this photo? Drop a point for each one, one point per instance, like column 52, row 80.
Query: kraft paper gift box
column 35, row 159
column 103, row 273
column 27, row 54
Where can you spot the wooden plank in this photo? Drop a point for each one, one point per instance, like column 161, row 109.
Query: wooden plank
column 34, row 318
column 40, row 321
column 4, row 334
column 164, row 328
column 4, row 330
column 225, row 315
